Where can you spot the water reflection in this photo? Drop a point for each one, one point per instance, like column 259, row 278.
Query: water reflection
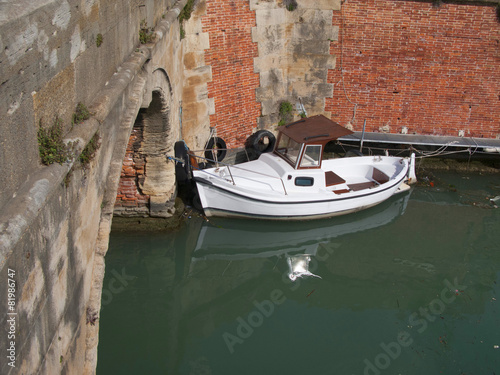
column 216, row 297
column 297, row 242
column 298, row 266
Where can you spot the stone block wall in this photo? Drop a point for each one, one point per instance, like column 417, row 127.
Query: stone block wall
column 55, row 220
column 294, row 55
column 409, row 64
column 147, row 183
column 197, row 104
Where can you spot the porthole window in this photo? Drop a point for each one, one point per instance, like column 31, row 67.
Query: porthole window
column 304, row 181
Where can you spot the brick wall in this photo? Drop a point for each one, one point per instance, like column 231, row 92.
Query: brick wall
column 231, row 53
column 129, row 200
column 409, row 64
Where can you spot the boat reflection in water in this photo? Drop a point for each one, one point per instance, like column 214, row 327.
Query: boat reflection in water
column 216, row 297
column 225, row 239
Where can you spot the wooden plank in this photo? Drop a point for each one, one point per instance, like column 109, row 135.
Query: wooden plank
column 362, row 185
column 332, row 178
column 379, row 176
column 341, row 191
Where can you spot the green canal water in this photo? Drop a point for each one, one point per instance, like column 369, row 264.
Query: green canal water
column 411, row 286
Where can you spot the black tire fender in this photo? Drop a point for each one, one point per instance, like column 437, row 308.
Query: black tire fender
column 257, row 142
column 182, row 170
column 196, row 201
column 215, row 143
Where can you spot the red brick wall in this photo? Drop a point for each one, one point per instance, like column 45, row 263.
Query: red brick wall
column 231, row 53
column 129, row 200
column 433, row 70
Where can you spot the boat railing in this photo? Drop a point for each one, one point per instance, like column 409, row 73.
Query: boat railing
column 229, row 166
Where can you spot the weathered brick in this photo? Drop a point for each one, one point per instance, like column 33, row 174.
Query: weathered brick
column 231, row 56
column 433, row 70
column 128, row 194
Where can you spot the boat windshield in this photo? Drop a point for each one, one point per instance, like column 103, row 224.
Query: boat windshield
column 288, row 149
column 311, row 157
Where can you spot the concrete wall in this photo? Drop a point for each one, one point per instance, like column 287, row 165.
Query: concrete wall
column 55, row 220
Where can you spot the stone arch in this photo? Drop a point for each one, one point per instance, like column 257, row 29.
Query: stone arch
column 153, row 131
column 157, row 142
column 147, row 183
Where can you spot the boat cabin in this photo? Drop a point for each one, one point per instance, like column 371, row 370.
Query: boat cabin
column 301, row 143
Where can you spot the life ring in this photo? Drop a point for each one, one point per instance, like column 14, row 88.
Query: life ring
column 215, row 143
column 182, row 170
column 353, row 152
column 261, row 142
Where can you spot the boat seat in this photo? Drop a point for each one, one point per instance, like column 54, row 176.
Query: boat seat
column 332, row 178
column 341, row 191
column 379, row 176
column 362, row 185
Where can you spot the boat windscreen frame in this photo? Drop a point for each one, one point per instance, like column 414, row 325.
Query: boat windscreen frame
column 316, row 131
column 284, row 144
column 318, row 161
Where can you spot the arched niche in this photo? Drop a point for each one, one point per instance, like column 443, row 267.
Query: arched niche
column 157, row 142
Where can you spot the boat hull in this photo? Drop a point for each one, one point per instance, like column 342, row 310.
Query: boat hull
column 233, row 201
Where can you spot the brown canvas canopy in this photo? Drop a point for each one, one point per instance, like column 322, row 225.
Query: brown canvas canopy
column 315, row 129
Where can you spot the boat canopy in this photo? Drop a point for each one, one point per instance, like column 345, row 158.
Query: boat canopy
column 301, row 143
column 315, row 129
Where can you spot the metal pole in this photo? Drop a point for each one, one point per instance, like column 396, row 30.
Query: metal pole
column 362, row 137
column 180, row 118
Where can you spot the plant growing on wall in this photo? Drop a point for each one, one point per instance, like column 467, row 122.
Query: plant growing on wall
column 185, row 15
column 51, row 147
column 286, row 113
column 98, row 40
column 90, row 149
column 290, row 5
column 81, row 114
column 146, row 34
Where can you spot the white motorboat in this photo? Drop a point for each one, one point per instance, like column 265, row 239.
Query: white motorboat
column 294, row 181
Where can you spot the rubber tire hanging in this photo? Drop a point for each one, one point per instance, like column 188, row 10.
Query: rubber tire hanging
column 182, row 172
column 215, row 143
column 257, row 142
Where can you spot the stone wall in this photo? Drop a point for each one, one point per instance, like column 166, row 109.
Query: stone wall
column 55, row 220
column 147, row 183
column 130, row 200
column 294, row 55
